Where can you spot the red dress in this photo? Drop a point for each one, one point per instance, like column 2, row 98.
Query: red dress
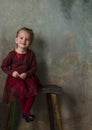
column 22, row 63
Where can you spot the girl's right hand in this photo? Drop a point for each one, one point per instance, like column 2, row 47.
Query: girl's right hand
column 15, row 74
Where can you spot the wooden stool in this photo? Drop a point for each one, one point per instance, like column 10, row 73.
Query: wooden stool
column 51, row 92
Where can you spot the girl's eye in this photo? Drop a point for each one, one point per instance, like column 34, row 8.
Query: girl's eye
column 27, row 40
column 21, row 37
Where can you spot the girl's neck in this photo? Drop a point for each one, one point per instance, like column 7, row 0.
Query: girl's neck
column 21, row 51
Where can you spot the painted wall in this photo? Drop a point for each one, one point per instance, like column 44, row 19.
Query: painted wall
column 63, row 46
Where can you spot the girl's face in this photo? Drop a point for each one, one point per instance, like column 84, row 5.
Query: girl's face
column 23, row 40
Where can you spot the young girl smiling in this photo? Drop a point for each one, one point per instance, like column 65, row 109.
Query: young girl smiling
column 20, row 66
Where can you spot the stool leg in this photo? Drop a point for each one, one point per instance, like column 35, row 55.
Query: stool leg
column 9, row 125
column 50, row 108
column 56, row 110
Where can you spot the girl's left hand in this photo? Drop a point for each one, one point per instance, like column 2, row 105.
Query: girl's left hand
column 23, row 75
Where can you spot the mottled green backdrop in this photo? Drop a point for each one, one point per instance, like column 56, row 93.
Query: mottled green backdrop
column 63, row 47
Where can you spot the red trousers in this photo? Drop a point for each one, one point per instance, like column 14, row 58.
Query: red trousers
column 27, row 104
column 26, row 91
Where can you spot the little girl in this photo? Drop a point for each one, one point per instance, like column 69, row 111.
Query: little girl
column 20, row 66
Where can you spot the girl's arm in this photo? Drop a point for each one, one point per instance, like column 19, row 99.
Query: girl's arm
column 6, row 64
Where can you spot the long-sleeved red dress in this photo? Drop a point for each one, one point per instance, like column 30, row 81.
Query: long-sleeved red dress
column 23, row 88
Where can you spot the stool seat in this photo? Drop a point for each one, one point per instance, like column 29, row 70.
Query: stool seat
column 51, row 89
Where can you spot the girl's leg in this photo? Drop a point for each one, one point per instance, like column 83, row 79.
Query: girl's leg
column 21, row 102
column 28, row 105
column 17, row 85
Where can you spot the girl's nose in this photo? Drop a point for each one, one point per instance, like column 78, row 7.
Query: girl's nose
column 24, row 40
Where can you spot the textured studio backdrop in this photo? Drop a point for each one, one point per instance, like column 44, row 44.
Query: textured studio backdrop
column 63, row 47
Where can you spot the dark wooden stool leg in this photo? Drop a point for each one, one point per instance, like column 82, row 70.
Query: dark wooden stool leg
column 9, row 125
column 50, row 108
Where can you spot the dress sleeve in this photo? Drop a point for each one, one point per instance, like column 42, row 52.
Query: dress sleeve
column 6, row 64
column 33, row 67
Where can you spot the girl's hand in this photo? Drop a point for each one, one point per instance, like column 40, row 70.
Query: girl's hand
column 15, row 74
column 23, row 75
